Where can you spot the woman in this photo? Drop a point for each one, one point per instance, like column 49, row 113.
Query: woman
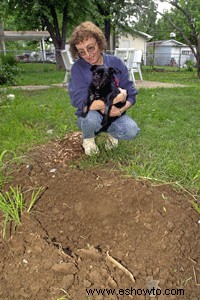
column 87, row 44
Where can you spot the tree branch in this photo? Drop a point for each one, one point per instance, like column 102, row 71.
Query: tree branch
column 187, row 41
column 188, row 17
column 64, row 25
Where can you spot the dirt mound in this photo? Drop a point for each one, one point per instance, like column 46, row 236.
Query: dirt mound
column 95, row 229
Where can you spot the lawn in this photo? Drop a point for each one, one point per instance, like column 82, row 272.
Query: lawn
column 38, row 73
column 167, row 148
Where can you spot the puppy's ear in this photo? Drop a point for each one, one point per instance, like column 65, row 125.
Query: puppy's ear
column 113, row 70
column 94, row 67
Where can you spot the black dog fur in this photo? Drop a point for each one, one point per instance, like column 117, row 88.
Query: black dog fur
column 103, row 87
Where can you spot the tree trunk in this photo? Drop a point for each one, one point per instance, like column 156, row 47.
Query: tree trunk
column 2, row 43
column 58, row 38
column 198, row 68
column 198, row 57
column 59, row 61
column 107, row 33
column 59, row 44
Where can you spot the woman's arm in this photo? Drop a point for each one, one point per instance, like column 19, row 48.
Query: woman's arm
column 120, row 97
column 97, row 105
column 79, row 84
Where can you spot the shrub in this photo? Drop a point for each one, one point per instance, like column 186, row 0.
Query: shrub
column 8, row 60
column 189, row 65
column 8, row 69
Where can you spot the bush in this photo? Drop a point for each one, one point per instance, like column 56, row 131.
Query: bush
column 8, row 69
column 189, row 65
column 8, row 60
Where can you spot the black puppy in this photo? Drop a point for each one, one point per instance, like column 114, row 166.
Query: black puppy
column 103, row 87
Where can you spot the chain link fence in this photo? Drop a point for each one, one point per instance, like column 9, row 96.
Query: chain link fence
column 172, row 59
column 32, row 56
column 149, row 58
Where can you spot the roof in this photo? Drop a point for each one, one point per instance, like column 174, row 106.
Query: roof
column 164, row 43
column 147, row 36
column 25, row 35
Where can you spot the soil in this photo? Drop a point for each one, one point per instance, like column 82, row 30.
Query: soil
column 96, row 228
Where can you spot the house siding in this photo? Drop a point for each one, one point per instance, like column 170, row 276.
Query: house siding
column 137, row 42
column 168, row 53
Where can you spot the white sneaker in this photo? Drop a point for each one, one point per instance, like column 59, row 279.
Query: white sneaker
column 111, row 142
column 90, row 146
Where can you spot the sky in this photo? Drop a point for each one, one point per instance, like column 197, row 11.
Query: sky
column 163, row 5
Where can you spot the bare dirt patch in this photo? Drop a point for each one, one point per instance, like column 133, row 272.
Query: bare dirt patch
column 84, row 220
column 138, row 84
column 154, row 84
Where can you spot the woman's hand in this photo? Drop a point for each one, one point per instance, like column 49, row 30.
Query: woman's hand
column 97, row 105
column 120, row 97
column 115, row 112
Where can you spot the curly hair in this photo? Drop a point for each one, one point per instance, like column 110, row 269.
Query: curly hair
column 84, row 31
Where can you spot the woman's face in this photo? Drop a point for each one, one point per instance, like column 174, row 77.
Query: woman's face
column 89, row 50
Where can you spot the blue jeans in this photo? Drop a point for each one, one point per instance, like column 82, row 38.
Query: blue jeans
column 123, row 128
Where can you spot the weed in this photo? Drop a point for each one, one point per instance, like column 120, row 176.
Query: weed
column 13, row 204
column 196, row 206
column 6, row 157
column 34, row 197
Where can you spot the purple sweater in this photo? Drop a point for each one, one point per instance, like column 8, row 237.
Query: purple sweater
column 81, row 77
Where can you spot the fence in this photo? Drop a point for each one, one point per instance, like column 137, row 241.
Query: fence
column 172, row 59
column 150, row 58
column 32, row 56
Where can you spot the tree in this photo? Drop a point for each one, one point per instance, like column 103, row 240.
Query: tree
column 55, row 16
column 147, row 19
column 184, row 18
column 59, row 16
column 120, row 16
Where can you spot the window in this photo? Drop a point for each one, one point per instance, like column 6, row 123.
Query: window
column 126, row 43
column 186, row 52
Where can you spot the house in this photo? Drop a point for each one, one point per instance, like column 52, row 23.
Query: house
column 138, row 40
column 168, row 53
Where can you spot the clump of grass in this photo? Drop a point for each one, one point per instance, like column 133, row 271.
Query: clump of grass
column 13, row 204
column 5, row 158
column 34, row 197
column 196, row 206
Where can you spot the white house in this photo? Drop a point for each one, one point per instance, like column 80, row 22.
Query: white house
column 168, row 53
column 138, row 41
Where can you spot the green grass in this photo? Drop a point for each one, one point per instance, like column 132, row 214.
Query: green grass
column 39, row 73
column 168, row 145
column 13, row 204
column 167, row 148
column 6, row 157
column 172, row 75
column 27, row 120
column 44, row 73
